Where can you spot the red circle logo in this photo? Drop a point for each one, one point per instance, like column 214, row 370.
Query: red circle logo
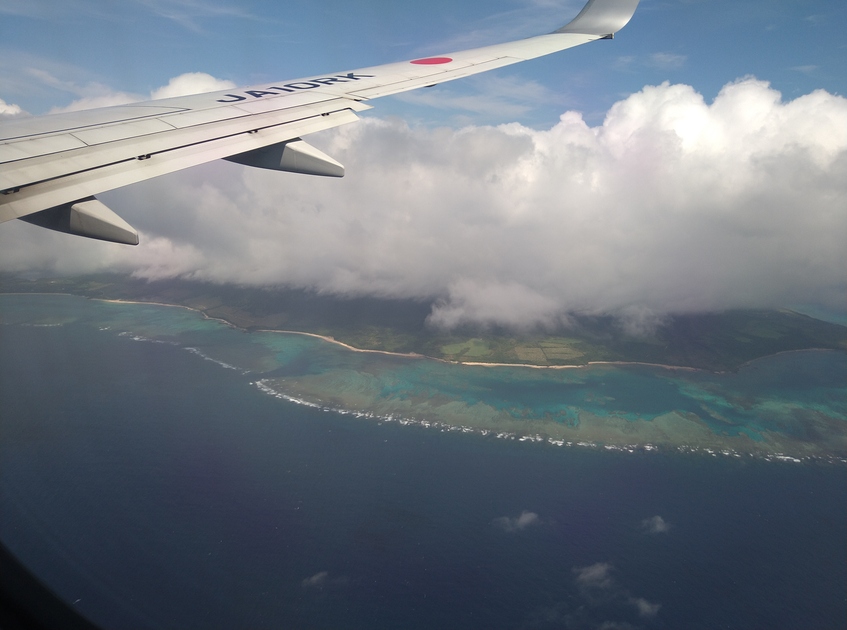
column 432, row 61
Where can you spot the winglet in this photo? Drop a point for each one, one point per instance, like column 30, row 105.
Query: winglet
column 601, row 17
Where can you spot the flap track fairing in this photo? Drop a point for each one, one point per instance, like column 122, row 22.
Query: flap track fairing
column 86, row 217
column 294, row 156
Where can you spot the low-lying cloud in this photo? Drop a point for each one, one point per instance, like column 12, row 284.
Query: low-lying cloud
column 516, row 523
column 594, row 576
column 672, row 205
column 598, row 587
column 655, row 525
column 644, row 608
column 322, row 579
column 318, row 580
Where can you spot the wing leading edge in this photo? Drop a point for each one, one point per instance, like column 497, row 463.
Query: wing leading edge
column 52, row 166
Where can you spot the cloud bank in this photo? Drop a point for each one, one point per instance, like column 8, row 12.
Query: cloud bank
column 672, row 205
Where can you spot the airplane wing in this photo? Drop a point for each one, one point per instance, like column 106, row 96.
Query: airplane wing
column 51, row 167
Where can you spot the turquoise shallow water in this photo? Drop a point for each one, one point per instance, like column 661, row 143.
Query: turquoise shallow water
column 793, row 404
column 157, row 489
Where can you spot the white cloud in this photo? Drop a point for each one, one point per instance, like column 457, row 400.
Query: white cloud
column 94, row 94
column 655, row 525
column 98, row 98
column 321, row 580
column 318, row 580
column 598, row 587
column 672, row 205
column 644, row 608
column 191, row 83
column 508, row 304
column 90, row 94
column 517, row 523
column 595, row 576
column 9, row 109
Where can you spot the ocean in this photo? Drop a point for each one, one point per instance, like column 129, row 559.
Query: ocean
column 154, row 488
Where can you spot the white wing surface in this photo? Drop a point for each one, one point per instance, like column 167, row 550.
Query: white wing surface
column 51, row 167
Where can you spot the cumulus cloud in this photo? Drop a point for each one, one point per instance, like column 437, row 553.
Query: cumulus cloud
column 97, row 96
column 655, row 525
column 191, row 83
column 598, row 587
column 672, row 205
column 595, row 576
column 9, row 109
column 516, row 523
column 644, row 608
column 92, row 94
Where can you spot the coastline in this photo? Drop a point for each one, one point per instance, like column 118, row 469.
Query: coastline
column 579, row 422
column 408, row 355
column 328, row 339
column 670, row 432
column 581, row 365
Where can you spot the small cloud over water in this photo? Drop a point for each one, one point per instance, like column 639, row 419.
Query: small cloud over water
column 601, row 592
column 594, row 576
column 318, row 580
column 517, row 523
column 655, row 525
column 645, row 608
column 321, row 580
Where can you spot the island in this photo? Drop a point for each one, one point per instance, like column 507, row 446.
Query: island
column 761, row 383
column 712, row 341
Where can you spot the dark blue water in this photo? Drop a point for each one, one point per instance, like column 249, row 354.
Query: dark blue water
column 161, row 490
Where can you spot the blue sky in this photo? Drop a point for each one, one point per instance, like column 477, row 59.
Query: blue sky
column 50, row 50
column 698, row 162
